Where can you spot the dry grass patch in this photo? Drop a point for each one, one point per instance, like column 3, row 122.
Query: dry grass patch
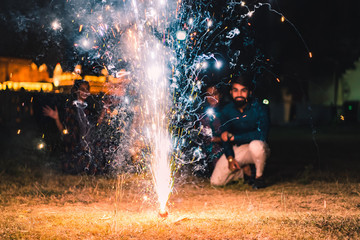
column 82, row 207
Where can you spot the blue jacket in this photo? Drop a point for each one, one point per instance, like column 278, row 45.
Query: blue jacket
column 252, row 124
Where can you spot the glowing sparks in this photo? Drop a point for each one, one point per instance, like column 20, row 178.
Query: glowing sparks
column 165, row 52
column 204, row 65
column 210, row 112
column 218, row 64
column 181, row 35
column 56, row 25
column 85, row 43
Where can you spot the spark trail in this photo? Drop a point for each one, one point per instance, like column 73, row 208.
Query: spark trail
column 168, row 48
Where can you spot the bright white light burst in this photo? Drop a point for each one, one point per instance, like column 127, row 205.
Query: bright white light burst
column 56, row 25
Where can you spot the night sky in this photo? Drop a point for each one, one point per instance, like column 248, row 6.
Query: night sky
column 326, row 28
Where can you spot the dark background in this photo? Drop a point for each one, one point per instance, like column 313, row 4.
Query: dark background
column 329, row 29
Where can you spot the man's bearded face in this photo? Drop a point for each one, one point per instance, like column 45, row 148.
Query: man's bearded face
column 239, row 94
column 240, row 101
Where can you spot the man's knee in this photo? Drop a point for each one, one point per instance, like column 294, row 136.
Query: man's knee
column 259, row 147
column 216, row 181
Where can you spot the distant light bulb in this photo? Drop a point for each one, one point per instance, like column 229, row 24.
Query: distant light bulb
column 191, row 21
column 41, row 146
column 266, row 102
column 210, row 23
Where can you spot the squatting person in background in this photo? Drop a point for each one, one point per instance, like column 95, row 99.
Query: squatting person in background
column 245, row 125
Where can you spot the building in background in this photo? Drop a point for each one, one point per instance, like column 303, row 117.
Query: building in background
column 17, row 74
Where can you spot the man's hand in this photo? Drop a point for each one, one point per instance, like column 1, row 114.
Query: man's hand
column 226, row 136
column 216, row 139
column 233, row 165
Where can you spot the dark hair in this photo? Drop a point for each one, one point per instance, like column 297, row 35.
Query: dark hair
column 244, row 80
column 75, row 88
column 77, row 84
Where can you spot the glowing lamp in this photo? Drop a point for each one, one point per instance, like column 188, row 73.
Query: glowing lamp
column 181, row 35
column 266, row 101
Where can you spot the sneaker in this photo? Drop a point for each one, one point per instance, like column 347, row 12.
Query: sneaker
column 259, row 183
column 249, row 180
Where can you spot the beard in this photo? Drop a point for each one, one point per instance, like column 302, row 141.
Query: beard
column 240, row 102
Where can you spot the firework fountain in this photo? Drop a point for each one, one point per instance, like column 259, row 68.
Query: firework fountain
column 167, row 46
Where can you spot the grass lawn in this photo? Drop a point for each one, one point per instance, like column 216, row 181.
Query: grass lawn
column 313, row 193
column 83, row 207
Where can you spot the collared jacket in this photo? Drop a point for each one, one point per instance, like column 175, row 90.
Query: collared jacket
column 252, row 124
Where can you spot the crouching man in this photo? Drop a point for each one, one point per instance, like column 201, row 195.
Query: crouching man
column 245, row 125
